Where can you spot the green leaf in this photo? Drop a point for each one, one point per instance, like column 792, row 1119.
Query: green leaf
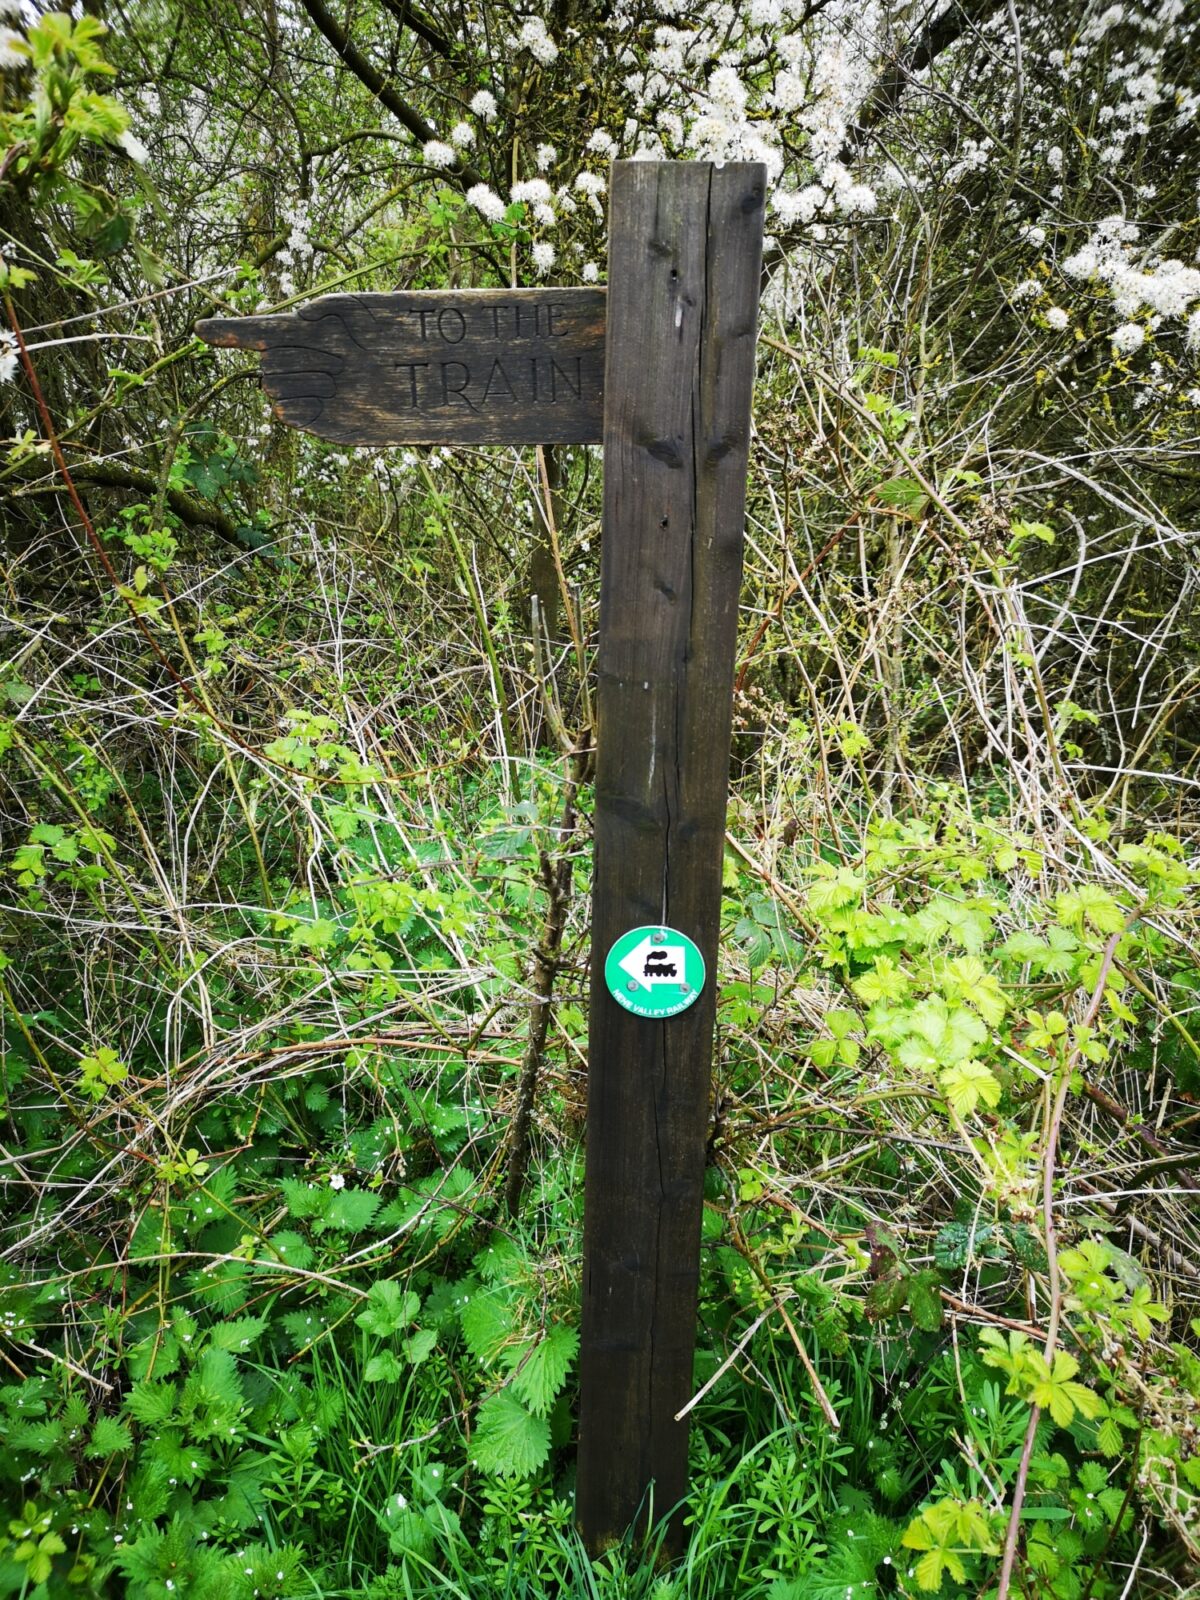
column 151, row 1403
column 239, row 1334
column 885, row 981
column 208, row 477
column 63, row 847
column 979, row 988
column 967, row 923
column 110, row 1437
column 157, row 1355
column 389, row 1309
column 840, row 1023
column 1092, row 905
column 906, row 494
column 966, row 1084
column 303, row 1327
column 933, row 1563
column 503, row 1261
column 1026, row 1246
column 834, row 888
column 924, row 1302
column 754, row 940
column 1141, row 1311
column 542, row 1369
column 216, row 1377
column 382, row 1368
column 351, row 1210
column 509, row 1440
column 943, row 1530
column 420, row 1347
column 410, row 1533
column 488, row 1322
column 957, row 1244
column 177, row 1459
column 292, row 1248
column 243, row 1500
column 1056, row 1391
column 885, row 1298
column 303, row 1199
column 175, row 1556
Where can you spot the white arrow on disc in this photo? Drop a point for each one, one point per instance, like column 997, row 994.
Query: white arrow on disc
column 667, row 966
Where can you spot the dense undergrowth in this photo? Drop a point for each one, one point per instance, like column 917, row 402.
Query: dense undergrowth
column 272, row 1330
column 294, row 792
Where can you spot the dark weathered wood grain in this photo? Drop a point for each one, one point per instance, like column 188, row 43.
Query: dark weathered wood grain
column 685, row 253
column 469, row 366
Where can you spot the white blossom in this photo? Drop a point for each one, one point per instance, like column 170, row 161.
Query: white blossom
column 543, row 257
column 1114, row 17
column 462, row 135
column 590, row 183
column 602, row 142
column 134, row 148
column 670, row 123
column 726, row 89
column 1130, row 336
column 1193, row 332
column 857, row 200
column 801, row 207
column 483, row 104
column 336, row 1180
column 1166, row 288
column 8, row 357
column 1058, row 319
column 534, row 38
column 531, row 189
column 591, row 272
column 487, row 202
column 547, row 155
column 439, row 154
column 975, row 154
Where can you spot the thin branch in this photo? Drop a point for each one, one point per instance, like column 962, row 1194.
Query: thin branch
column 884, row 96
column 465, row 174
column 1052, row 1322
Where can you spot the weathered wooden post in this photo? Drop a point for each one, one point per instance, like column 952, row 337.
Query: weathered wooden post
column 685, row 248
column 664, row 378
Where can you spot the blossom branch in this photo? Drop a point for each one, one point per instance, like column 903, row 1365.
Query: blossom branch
column 464, row 174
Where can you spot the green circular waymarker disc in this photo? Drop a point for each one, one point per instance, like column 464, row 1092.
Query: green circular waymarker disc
column 654, row 971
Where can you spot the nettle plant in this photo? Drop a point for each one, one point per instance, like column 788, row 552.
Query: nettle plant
column 990, row 996
column 217, row 1462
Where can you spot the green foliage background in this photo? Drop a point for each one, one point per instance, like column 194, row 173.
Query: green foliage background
column 294, row 795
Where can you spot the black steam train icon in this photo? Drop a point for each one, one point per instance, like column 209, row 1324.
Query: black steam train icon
column 659, row 965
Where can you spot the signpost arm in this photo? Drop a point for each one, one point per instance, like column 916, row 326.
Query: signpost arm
column 684, row 265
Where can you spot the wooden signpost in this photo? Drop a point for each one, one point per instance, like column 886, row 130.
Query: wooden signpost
column 663, row 379
column 465, row 366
